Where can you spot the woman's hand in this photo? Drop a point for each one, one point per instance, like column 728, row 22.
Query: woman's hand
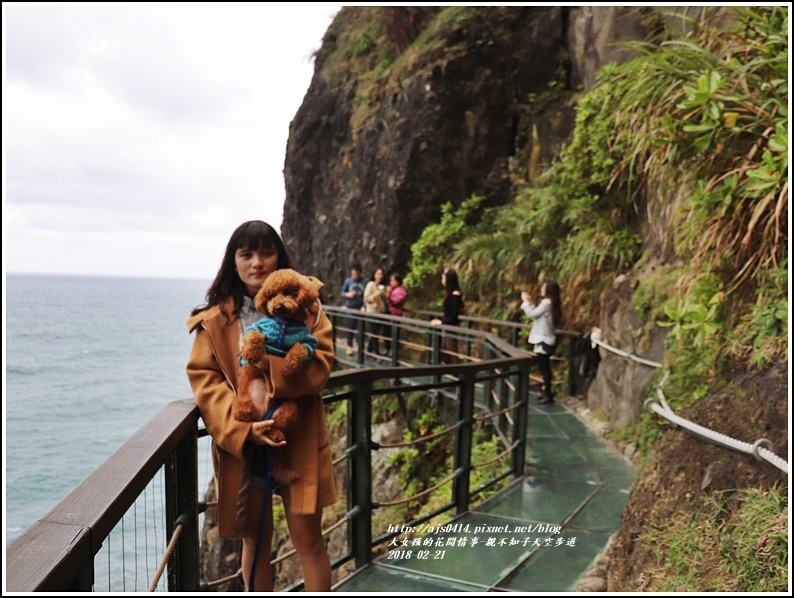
column 435, row 322
column 525, row 296
column 258, row 433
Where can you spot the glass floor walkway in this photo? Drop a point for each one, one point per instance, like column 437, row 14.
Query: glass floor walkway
column 576, row 485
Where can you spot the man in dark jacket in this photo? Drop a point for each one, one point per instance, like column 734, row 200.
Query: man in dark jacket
column 353, row 293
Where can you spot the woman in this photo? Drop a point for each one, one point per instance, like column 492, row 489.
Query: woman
column 254, row 251
column 546, row 316
column 397, row 295
column 453, row 308
column 375, row 302
column 395, row 301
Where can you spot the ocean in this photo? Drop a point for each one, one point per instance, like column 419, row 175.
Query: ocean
column 89, row 360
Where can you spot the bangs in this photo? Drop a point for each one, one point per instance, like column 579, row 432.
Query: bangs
column 256, row 235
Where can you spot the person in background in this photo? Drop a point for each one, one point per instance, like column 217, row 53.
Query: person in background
column 546, row 315
column 240, row 449
column 353, row 292
column 396, row 303
column 397, row 295
column 375, row 295
column 453, row 308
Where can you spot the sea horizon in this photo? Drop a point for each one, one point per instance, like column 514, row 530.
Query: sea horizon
column 124, row 276
column 90, row 359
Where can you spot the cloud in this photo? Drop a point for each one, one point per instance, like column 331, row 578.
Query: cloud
column 128, row 125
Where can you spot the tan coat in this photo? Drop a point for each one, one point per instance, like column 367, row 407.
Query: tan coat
column 212, row 371
column 374, row 298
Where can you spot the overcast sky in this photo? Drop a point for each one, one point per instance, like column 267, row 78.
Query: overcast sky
column 137, row 137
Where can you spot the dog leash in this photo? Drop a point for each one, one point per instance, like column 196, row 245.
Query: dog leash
column 265, row 501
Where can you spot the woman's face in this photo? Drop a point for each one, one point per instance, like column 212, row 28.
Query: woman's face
column 393, row 282
column 253, row 266
column 379, row 275
column 543, row 290
column 443, row 280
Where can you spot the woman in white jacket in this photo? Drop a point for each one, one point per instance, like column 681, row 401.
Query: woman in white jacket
column 546, row 316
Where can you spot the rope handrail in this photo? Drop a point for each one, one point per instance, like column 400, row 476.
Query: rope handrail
column 661, row 408
column 168, row 552
column 632, row 356
column 223, row 580
column 495, row 413
column 325, row 532
column 421, row 494
column 331, row 528
column 510, row 449
column 422, row 439
column 339, row 459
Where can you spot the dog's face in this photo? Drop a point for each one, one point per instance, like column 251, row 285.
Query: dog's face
column 288, row 294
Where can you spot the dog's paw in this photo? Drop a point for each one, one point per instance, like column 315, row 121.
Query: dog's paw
column 276, row 435
column 253, row 349
column 243, row 410
column 295, row 360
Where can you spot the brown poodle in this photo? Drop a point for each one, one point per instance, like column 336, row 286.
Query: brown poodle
column 287, row 299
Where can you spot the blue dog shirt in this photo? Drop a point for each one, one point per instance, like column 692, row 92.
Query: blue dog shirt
column 280, row 335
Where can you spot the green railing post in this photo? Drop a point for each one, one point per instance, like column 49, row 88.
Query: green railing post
column 333, row 316
column 181, row 507
column 521, row 420
column 434, row 358
column 514, row 337
column 359, row 433
column 435, row 345
column 504, row 403
column 463, row 444
column 571, row 367
column 487, row 385
column 395, row 345
column 360, row 338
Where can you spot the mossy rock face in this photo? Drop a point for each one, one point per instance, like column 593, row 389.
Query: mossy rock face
column 681, row 469
column 374, row 154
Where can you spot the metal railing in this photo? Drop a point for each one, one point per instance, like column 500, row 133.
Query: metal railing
column 514, row 333
column 490, row 382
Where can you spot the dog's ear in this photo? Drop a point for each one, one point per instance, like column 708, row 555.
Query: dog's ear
column 309, row 292
column 261, row 299
column 315, row 284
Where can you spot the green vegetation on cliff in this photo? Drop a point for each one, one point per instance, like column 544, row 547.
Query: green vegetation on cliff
column 680, row 156
column 739, row 544
column 689, row 141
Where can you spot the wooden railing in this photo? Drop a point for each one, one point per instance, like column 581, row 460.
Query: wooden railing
column 56, row 553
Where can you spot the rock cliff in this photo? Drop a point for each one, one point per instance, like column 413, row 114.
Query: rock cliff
column 413, row 107
column 433, row 110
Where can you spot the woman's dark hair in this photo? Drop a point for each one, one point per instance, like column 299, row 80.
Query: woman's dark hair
column 398, row 278
column 375, row 271
column 451, row 283
column 252, row 235
column 553, row 293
